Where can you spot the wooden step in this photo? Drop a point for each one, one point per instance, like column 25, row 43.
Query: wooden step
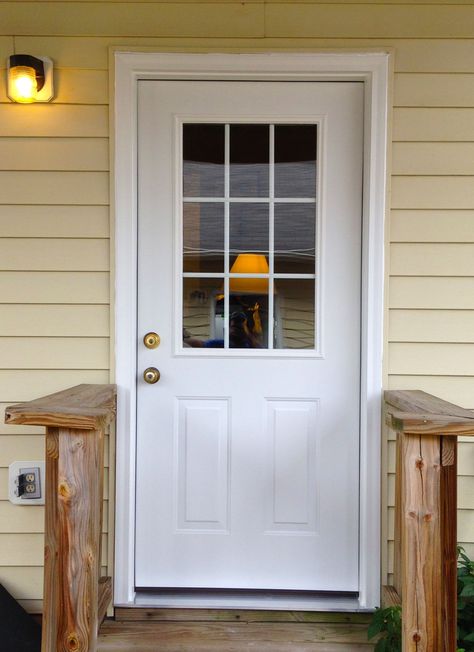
column 116, row 636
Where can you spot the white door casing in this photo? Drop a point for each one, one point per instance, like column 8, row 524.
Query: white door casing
column 247, row 467
column 131, row 68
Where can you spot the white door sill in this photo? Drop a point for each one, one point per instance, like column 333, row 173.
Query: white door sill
column 269, row 600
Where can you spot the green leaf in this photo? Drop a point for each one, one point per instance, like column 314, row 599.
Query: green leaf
column 468, row 590
column 381, row 646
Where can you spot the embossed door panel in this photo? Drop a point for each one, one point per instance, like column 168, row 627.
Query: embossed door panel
column 249, row 269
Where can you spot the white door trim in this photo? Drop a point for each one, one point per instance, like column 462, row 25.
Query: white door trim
column 370, row 68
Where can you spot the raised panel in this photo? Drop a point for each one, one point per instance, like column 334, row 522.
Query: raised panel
column 203, row 463
column 291, row 489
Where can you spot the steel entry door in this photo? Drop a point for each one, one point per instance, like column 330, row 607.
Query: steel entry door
column 249, row 270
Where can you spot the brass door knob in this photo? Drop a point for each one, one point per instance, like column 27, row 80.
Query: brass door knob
column 151, row 375
column 151, row 340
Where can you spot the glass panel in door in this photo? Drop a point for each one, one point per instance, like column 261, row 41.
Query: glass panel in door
column 249, row 207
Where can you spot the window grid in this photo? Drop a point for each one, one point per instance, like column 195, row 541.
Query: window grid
column 271, row 200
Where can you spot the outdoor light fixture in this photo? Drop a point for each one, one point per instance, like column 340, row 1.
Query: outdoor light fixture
column 30, row 79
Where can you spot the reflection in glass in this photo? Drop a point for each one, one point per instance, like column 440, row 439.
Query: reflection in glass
column 248, row 314
column 203, row 314
column 295, row 161
column 295, row 238
column 249, row 227
column 249, row 159
column 294, row 314
column 203, row 237
column 203, row 160
column 203, row 325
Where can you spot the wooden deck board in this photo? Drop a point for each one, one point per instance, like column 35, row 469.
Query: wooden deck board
column 116, row 636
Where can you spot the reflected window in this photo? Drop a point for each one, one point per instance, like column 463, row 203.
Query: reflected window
column 249, row 238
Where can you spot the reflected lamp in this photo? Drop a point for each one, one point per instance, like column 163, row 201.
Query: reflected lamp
column 249, row 264
column 29, row 78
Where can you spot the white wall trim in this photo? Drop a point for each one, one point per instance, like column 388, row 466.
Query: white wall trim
column 371, row 68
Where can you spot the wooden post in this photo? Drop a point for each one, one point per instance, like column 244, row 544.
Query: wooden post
column 420, row 543
column 75, row 597
column 425, row 521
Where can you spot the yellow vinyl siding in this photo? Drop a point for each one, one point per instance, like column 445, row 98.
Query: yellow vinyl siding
column 434, row 225
column 84, row 154
column 54, row 321
column 55, row 286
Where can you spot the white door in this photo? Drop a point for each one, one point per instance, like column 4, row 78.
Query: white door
column 249, row 270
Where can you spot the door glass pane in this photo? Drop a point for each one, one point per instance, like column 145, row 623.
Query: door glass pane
column 203, row 237
column 248, row 313
column 203, row 160
column 249, row 229
column 294, row 301
column 203, row 314
column 249, row 159
column 295, row 238
column 295, row 161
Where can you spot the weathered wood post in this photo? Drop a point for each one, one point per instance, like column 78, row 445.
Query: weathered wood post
column 425, row 574
column 75, row 597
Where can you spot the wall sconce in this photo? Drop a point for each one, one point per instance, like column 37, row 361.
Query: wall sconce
column 30, row 79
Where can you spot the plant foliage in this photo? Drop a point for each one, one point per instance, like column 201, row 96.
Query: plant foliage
column 465, row 601
column 387, row 623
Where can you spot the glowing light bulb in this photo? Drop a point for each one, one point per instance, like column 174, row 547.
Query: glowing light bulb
column 23, row 85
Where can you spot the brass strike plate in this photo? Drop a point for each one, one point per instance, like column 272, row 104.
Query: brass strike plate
column 151, row 340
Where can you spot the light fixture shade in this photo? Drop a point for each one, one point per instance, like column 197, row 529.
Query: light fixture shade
column 30, row 79
column 249, row 264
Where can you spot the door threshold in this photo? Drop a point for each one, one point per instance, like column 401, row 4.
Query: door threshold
column 241, row 599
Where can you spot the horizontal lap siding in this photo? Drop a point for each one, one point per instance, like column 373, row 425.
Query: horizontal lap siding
column 54, row 282
column 54, row 218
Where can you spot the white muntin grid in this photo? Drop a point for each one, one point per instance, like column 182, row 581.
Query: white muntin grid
column 271, row 276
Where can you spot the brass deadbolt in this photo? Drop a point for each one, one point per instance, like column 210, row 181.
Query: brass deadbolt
column 151, row 340
column 151, row 375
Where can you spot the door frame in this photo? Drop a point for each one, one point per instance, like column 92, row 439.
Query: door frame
column 373, row 70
